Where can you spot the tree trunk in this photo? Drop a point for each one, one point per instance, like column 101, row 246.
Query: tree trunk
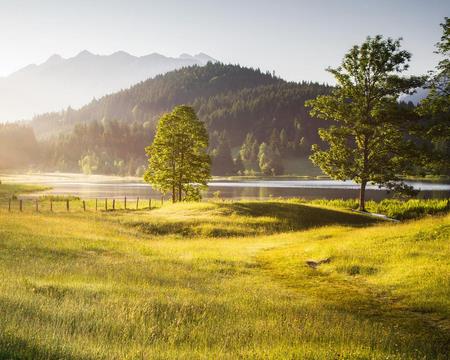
column 174, row 194
column 362, row 196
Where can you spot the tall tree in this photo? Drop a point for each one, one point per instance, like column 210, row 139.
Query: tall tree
column 178, row 156
column 222, row 162
column 269, row 160
column 249, row 150
column 436, row 106
column 369, row 144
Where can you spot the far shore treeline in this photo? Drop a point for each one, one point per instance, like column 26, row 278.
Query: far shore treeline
column 242, row 108
column 257, row 123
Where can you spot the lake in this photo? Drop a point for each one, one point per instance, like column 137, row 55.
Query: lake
column 99, row 186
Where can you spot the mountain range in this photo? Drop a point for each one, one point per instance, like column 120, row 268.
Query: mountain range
column 59, row 83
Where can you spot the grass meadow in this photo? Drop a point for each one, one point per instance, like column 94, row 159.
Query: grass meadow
column 222, row 280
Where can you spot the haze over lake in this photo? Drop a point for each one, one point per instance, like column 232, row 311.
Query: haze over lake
column 100, row 186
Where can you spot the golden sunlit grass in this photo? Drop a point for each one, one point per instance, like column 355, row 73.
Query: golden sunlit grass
column 222, row 280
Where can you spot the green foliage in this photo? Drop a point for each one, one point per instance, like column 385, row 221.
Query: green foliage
column 228, row 98
column 370, row 142
column 12, row 190
column 269, row 160
column 59, row 198
column 249, row 149
column 436, row 106
column 98, row 147
column 394, row 208
column 177, row 157
column 89, row 164
column 222, row 160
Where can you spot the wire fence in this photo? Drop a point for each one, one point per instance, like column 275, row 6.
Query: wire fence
column 80, row 205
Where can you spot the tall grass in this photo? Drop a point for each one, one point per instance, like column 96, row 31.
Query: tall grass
column 394, row 208
column 233, row 283
column 12, row 190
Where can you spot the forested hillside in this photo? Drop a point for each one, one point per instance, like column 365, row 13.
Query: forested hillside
column 236, row 103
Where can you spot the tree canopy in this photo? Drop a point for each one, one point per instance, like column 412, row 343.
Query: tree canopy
column 435, row 108
column 178, row 159
column 369, row 143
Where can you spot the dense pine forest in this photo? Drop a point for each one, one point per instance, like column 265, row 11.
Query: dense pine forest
column 254, row 119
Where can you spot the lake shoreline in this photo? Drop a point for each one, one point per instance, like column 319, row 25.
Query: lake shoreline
column 103, row 186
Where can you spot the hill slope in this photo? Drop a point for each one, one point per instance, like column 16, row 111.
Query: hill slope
column 230, row 99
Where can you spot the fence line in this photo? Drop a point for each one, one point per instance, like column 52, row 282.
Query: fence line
column 71, row 205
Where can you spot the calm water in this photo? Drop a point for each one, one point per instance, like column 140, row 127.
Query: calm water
column 96, row 186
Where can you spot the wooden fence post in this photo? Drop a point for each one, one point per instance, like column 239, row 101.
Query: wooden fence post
column 162, row 200
column 20, row 205
column 125, row 203
column 67, row 205
column 96, row 204
column 9, row 204
column 137, row 203
column 106, row 204
column 51, row 205
column 37, row 205
column 84, row 205
column 149, row 203
column 114, row 204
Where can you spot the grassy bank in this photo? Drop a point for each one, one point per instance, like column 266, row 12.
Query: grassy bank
column 8, row 191
column 393, row 208
column 223, row 280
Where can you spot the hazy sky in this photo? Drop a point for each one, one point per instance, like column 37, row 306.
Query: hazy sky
column 298, row 39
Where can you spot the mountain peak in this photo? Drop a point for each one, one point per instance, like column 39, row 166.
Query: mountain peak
column 54, row 59
column 89, row 75
column 121, row 53
column 185, row 56
column 204, row 57
column 84, row 53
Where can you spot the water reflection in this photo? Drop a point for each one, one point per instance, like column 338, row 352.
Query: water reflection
column 116, row 187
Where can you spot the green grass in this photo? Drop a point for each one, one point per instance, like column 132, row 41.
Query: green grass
column 11, row 190
column 393, row 208
column 222, row 280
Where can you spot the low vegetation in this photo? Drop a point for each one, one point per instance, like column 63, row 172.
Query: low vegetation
column 396, row 209
column 223, row 280
column 8, row 191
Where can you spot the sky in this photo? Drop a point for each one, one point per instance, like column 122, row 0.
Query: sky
column 295, row 38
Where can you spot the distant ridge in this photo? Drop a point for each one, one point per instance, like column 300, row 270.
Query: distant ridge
column 61, row 82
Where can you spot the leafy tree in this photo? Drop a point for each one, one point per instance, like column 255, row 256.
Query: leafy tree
column 249, row 149
column 269, row 160
column 178, row 156
column 274, row 140
column 284, row 142
column 89, row 163
column 436, row 106
column 369, row 144
column 238, row 166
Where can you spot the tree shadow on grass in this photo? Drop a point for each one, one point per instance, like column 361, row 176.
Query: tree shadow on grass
column 292, row 216
column 13, row 347
column 248, row 219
